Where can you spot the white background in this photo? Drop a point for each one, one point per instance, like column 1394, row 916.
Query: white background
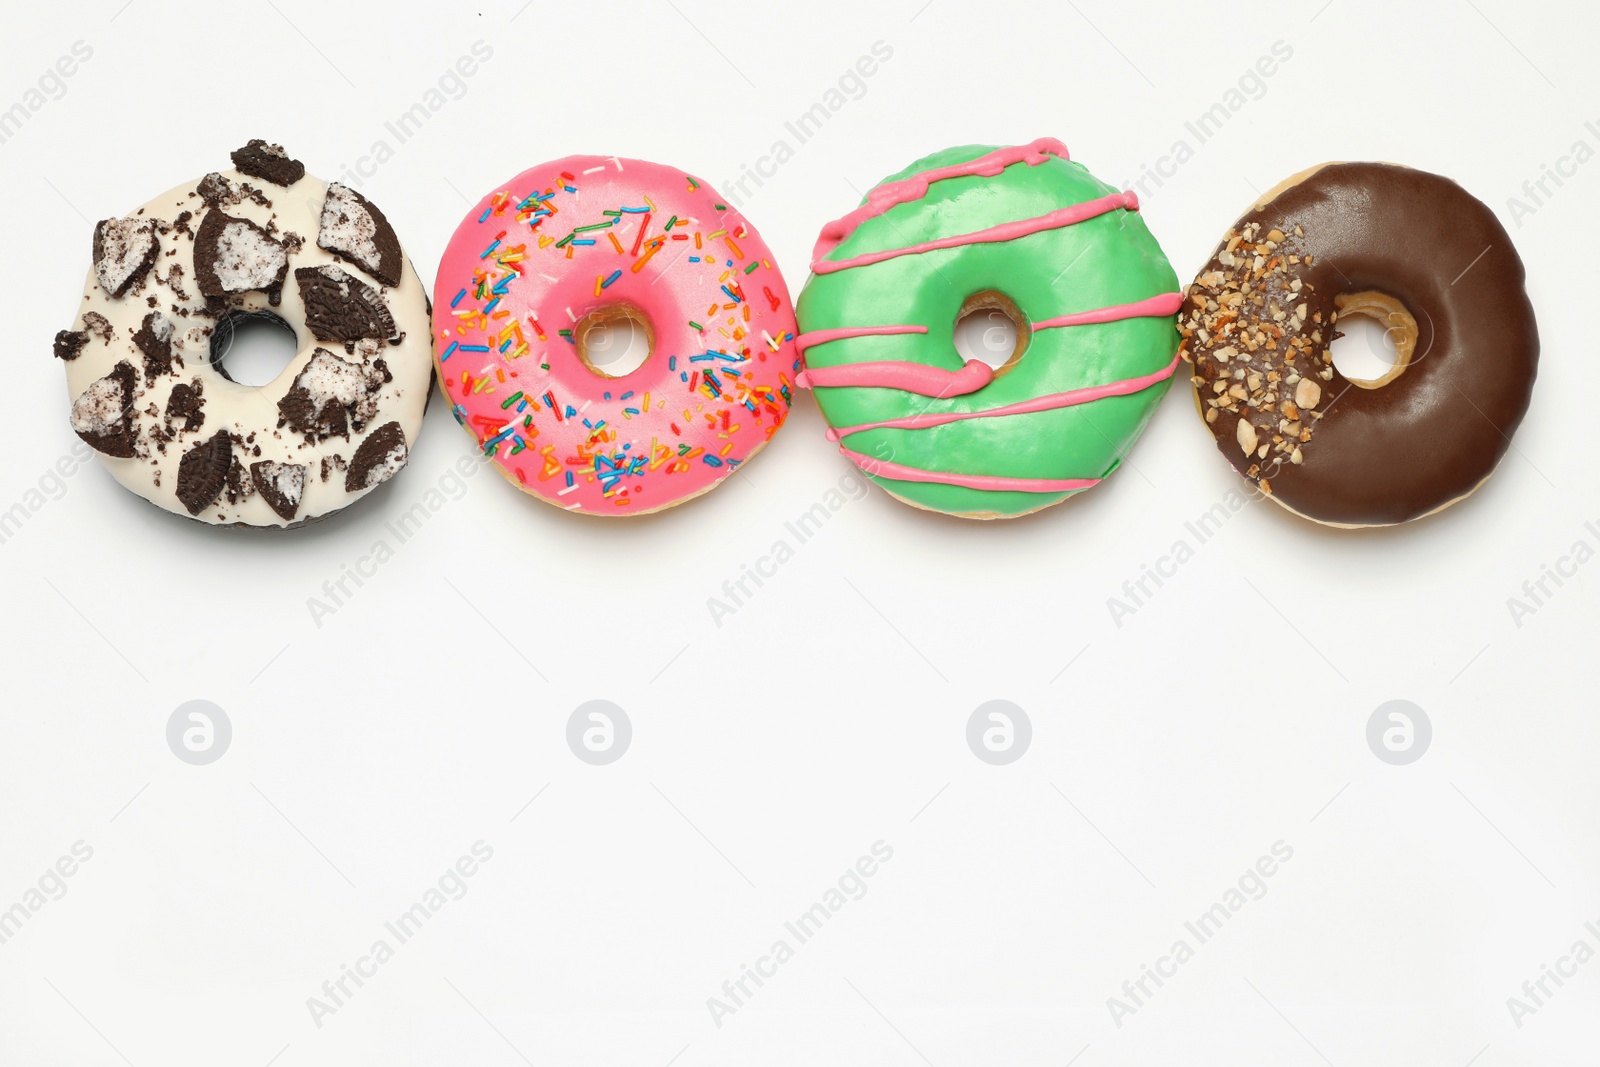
column 829, row 712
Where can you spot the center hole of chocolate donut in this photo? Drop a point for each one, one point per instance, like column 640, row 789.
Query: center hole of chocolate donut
column 614, row 341
column 1366, row 352
column 1380, row 338
column 252, row 347
column 991, row 329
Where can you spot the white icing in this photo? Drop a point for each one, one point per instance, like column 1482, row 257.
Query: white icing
column 124, row 243
column 247, row 258
column 348, row 227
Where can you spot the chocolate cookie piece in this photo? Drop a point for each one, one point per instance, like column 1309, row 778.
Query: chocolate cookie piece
column 69, row 343
column 378, row 459
column 341, row 307
column 124, row 252
column 98, row 325
column 217, row 191
column 154, row 339
column 186, row 402
column 240, row 486
column 281, row 485
column 332, row 396
column 353, row 227
column 269, row 162
column 214, row 188
column 100, row 415
column 203, row 472
column 174, row 281
column 236, row 256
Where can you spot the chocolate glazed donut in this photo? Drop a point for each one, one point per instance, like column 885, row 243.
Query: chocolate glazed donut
column 1427, row 260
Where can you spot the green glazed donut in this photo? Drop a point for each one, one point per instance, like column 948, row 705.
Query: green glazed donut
column 1021, row 230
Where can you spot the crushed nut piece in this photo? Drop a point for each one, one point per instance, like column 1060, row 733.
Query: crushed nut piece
column 1246, row 434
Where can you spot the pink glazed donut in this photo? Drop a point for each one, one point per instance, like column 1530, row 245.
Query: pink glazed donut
column 592, row 241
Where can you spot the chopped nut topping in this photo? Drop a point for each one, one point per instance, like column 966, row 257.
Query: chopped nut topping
column 1308, row 393
column 1246, row 433
column 1255, row 331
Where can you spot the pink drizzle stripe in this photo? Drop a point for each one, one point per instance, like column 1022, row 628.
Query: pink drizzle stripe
column 924, row 380
column 1086, row 395
column 914, row 188
column 1154, row 307
column 918, row 378
column 822, row 337
column 991, row 482
column 1006, row 231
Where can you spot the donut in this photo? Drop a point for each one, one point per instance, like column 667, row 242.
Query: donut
column 1023, row 231
column 1432, row 264
column 168, row 285
column 586, row 243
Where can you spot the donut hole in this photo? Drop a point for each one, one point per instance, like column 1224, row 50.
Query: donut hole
column 1379, row 337
column 614, row 341
column 991, row 329
column 252, row 347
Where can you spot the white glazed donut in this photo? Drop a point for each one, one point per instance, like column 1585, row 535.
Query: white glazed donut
column 167, row 283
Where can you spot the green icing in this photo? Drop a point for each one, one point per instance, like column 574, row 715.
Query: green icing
column 1111, row 259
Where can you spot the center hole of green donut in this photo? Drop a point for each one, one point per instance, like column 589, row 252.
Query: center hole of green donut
column 991, row 329
column 1366, row 352
column 252, row 347
column 613, row 341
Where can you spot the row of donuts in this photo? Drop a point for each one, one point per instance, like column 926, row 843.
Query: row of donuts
column 565, row 251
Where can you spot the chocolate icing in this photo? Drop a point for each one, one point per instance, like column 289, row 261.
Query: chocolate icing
column 1431, row 435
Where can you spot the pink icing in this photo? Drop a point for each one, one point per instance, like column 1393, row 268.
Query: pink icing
column 1006, row 231
column 717, row 385
column 887, row 469
column 918, row 378
column 1086, row 395
column 1155, row 306
column 907, row 190
column 822, row 337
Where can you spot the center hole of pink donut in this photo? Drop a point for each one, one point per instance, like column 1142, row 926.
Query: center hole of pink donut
column 1366, row 352
column 990, row 330
column 613, row 342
